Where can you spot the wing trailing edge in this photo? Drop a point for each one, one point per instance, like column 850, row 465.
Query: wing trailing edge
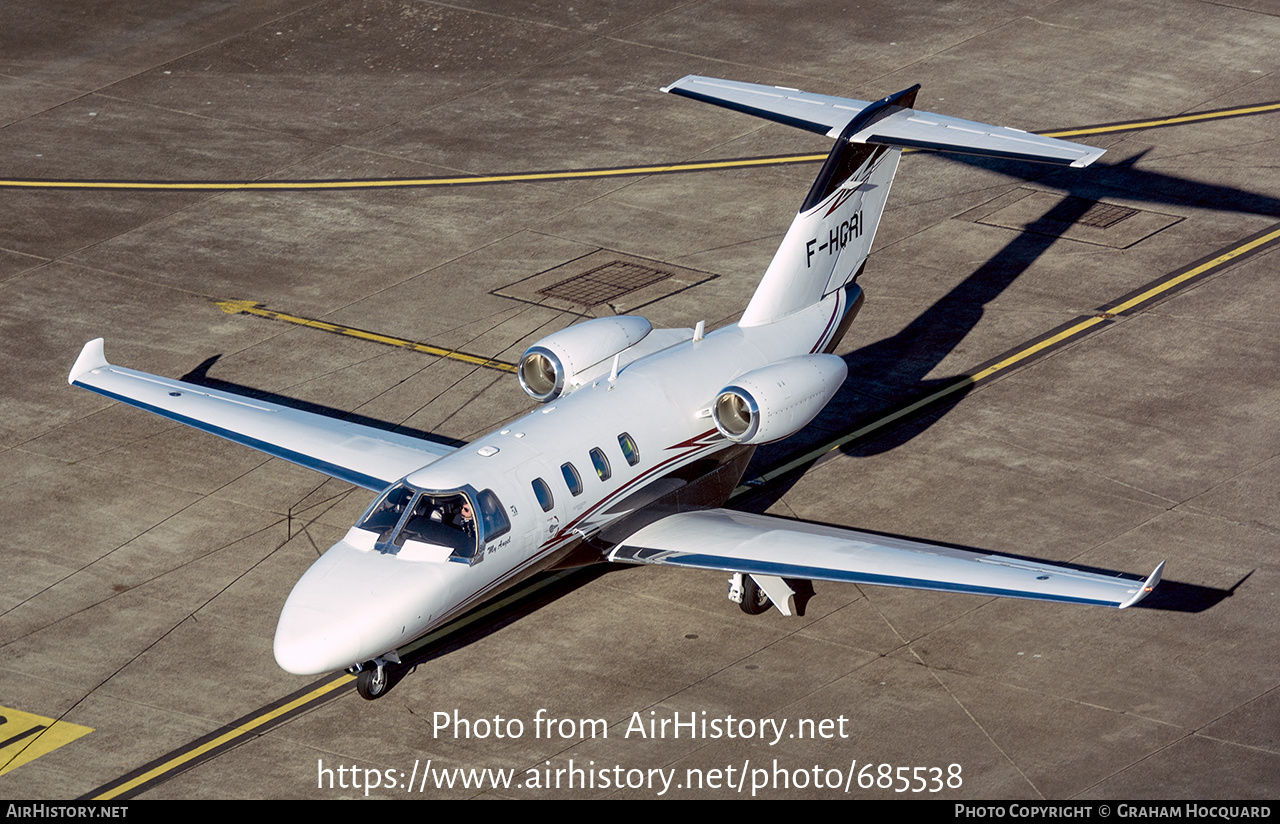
column 729, row 541
column 363, row 455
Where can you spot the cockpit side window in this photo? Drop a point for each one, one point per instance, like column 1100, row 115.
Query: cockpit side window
column 491, row 515
column 386, row 512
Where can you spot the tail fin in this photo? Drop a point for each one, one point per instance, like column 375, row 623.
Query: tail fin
column 830, row 238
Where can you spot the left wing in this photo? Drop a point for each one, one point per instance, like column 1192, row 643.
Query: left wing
column 362, row 455
column 761, row 545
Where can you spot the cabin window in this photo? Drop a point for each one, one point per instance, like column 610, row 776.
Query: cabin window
column 571, row 479
column 629, row 450
column 492, row 516
column 601, row 463
column 543, row 493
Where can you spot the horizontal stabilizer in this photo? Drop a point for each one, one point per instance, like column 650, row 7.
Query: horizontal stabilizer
column 362, row 455
column 729, row 541
column 897, row 126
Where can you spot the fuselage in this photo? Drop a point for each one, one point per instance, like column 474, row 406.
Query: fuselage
column 561, row 475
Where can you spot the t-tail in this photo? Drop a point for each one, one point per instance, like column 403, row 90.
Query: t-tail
column 830, row 238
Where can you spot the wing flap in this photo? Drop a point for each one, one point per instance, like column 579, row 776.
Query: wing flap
column 362, row 455
column 897, row 126
column 729, row 541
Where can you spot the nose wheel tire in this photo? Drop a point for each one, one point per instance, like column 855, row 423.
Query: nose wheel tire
column 754, row 601
column 371, row 683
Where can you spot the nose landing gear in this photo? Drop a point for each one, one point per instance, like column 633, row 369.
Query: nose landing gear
column 373, row 677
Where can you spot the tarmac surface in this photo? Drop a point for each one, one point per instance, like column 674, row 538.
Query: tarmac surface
column 146, row 563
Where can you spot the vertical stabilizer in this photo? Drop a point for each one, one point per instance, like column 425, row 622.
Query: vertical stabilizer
column 831, row 236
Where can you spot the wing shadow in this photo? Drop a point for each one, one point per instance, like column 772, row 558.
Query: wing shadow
column 200, row 377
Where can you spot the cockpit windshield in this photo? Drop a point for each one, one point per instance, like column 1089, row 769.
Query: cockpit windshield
column 440, row 519
column 384, row 516
column 446, row 520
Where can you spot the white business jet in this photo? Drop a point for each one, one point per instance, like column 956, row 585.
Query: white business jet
column 642, row 434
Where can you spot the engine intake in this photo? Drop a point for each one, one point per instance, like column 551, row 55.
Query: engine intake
column 562, row 362
column 778, row 400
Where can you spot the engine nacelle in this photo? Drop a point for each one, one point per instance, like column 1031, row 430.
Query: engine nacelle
column 560, row 363
column 770, row 403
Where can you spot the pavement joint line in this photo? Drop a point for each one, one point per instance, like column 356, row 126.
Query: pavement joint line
column 621, row 171
column 249, row 307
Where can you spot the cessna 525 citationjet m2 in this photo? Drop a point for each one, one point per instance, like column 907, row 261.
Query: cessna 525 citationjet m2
column 642, row 434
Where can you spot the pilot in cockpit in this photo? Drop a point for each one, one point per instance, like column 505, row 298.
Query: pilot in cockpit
column 465, row 520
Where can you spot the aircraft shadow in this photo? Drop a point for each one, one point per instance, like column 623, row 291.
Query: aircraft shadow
column 503, row 616
column 892, row 372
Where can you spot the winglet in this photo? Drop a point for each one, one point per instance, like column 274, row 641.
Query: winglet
column 91, row 357
column 1147, row 586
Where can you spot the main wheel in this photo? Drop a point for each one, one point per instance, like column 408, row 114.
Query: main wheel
column 371, row 683
column 754, row 601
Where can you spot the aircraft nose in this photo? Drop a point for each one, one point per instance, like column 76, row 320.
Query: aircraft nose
column 353, row 605
column 309, row 641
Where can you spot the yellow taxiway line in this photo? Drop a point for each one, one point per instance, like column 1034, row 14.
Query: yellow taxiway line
column 242, row 730
column 393, row 183
column 1177, row 120
column 524, row 177
column 249, row 307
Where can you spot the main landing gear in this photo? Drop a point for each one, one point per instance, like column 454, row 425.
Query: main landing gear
column 374, row 677
column 746, row 593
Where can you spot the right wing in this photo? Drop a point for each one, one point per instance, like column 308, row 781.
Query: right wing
column 362, row 455
column 762, row 545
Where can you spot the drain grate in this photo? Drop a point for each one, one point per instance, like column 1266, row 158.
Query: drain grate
column 1070, row 218
column 1089, row 213
column 604, row 283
